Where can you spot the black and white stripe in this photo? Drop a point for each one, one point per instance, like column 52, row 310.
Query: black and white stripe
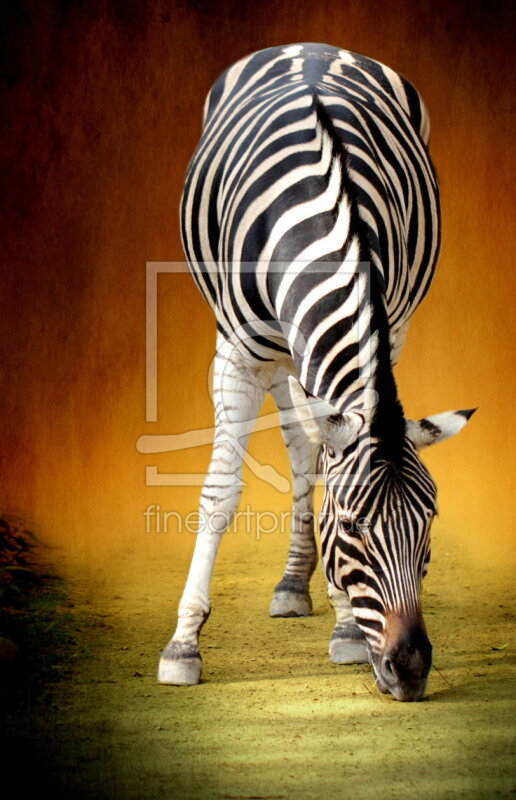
column 310, row 154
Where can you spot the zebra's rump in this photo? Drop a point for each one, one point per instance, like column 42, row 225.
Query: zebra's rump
column 311, row 156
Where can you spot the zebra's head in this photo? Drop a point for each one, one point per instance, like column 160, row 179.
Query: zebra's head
column 375, row 532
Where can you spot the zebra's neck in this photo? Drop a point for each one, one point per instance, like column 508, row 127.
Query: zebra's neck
column 325, row 286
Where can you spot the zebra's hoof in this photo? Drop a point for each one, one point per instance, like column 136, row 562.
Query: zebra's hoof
column 348, row 651
column 291, row 604
column 180, row 665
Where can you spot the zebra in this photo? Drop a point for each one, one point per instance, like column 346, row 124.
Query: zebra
column 311, row 224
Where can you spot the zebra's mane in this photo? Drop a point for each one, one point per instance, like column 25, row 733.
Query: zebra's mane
column 389, row 420
column 388, row 424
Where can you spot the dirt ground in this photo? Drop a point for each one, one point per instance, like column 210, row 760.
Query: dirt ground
column 273, row 717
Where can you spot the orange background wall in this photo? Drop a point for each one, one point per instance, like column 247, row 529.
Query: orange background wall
column 103, row 105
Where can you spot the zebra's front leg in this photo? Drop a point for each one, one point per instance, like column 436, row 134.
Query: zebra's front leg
column 291, row 596
column 348, row 644
column 238, row 395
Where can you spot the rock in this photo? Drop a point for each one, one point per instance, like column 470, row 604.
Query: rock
column 9, row 651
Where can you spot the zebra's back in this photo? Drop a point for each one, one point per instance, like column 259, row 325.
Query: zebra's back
column 306, row 150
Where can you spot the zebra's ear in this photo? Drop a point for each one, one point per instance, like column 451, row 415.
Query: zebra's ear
column 322, row 423
column 431, row 430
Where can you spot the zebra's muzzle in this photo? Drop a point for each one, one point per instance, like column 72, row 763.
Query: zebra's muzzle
column 402, row 667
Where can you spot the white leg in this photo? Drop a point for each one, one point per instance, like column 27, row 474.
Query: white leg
column 238, row 396
column 291, row 596
column 348, row 644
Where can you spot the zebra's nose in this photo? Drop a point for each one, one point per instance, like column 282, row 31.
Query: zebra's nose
column 403, row 667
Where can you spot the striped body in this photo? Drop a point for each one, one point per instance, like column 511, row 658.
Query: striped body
column 310, row 220
column 270, row 184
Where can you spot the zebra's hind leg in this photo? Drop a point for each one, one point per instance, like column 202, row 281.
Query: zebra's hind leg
column 348, row 644
column 238, row 394
column 291, row 596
